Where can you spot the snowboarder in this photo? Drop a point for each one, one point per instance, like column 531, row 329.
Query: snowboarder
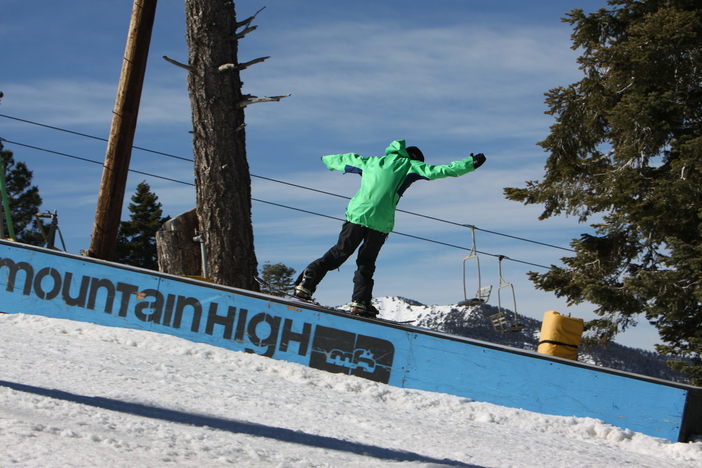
column 370, row 214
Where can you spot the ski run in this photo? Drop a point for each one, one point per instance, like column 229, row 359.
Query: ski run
column 74, row 394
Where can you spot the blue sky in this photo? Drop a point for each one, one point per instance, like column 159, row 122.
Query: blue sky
column 450, row 76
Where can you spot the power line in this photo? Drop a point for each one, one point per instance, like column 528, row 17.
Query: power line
column 412, row 236
column 72, row 132
column 92, row 161
column 80, row 158
column 182, row 158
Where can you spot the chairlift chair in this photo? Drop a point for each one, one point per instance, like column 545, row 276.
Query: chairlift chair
column 482, row 294
column 499, row 320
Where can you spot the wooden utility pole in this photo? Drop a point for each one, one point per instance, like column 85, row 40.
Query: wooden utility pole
column 103, row 243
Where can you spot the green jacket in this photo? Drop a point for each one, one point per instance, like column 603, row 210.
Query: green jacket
column 384, row 179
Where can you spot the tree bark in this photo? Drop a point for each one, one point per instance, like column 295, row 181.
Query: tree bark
column 223, row 182
column 178, row 253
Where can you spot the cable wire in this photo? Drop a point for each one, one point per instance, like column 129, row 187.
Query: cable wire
column 80, row 158
column 182, row 158
column 72, row 132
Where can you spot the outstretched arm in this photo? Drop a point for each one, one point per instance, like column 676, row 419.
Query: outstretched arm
column 454, row 169
column 347, row 162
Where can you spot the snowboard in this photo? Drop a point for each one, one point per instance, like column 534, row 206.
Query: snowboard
column 293, row 297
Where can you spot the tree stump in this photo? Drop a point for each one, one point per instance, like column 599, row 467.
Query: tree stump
column 178, row 253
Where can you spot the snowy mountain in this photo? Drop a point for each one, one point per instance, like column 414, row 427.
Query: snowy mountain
column 474, row 322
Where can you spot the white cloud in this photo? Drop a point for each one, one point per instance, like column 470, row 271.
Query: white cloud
column 69, row 102
column 461, row 80
column 89, row 103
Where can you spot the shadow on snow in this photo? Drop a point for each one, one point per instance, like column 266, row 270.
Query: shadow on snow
column 234, row 426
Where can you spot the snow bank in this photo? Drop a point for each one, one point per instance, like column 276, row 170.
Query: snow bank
column 81, row 395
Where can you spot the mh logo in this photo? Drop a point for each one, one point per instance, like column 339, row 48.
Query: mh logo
column 344, row 352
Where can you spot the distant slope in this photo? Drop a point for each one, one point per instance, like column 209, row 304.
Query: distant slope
column 473, row 322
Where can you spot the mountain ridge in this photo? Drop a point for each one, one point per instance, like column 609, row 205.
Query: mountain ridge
column 474, row 322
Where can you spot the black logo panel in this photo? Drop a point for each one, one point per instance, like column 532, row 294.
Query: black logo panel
column 344, row 352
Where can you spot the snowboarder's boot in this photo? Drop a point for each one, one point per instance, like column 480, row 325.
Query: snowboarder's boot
column 305, row 288
column 364, row 309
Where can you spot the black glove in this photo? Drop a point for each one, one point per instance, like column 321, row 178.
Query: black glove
column 478, row 159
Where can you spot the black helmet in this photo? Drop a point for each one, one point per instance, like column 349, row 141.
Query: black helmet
column 415, row 153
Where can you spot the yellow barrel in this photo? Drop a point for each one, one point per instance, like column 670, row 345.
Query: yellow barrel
column 560, row 335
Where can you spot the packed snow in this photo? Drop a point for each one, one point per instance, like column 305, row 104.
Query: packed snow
column 80, row 395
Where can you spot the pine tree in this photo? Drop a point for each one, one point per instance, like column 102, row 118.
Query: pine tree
column 136, row 240
column 24, row 200
column 626, row 148
column 279, row 277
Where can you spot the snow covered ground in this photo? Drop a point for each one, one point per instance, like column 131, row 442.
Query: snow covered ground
column 80, row 395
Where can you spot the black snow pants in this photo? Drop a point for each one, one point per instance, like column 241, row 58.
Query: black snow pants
column 351, row 236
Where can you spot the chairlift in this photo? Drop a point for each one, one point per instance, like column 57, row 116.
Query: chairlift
column 482, row 293
column 499, row 320
column 50, row 237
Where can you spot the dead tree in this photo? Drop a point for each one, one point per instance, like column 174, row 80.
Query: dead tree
column 223, row 182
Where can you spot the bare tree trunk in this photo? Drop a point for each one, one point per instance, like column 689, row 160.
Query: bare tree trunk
column 223, row 183
column 178, row 253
